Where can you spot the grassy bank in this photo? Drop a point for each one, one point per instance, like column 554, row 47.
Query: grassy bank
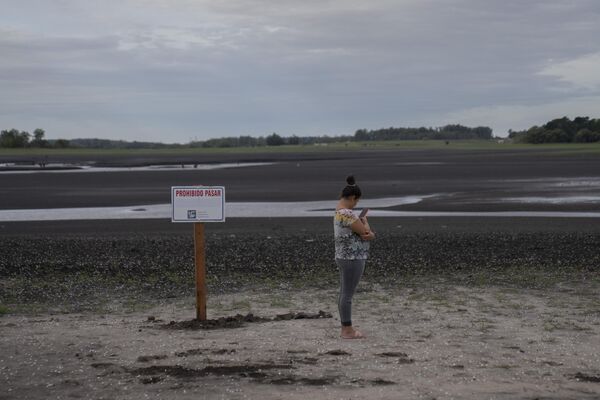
column 554, row 148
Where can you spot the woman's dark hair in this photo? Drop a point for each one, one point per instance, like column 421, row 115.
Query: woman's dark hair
column 351, row 189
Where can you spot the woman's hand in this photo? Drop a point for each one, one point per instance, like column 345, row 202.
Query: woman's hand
column 365, row 223
column 369, row 235
column 361, row 228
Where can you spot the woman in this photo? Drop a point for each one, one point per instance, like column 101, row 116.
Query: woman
column 352, row 236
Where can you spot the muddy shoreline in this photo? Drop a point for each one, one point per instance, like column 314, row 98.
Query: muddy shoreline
column 469, row 180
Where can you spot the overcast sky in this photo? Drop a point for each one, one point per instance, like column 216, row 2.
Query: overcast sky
column 179, row 70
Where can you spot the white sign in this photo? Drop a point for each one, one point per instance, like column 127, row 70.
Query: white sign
column 198, row 204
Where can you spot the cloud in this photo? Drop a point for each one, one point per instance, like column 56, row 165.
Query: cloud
column 205, row 68
column 520, row 117
column 582, row 72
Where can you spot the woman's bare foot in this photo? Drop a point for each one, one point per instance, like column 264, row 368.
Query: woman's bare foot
column 349, row 332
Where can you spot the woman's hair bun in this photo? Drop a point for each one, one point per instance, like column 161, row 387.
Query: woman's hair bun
column 351, row 189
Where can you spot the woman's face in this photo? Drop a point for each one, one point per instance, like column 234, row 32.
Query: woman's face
column 353, row 201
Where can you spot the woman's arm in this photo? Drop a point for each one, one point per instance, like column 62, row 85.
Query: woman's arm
column 362, row 229
column 370, row 235
column 359, row 228
column 365, row 223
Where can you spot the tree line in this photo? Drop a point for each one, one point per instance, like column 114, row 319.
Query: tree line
column 560, row 130
column 447, row 132
column 271, row 140
column 13, row 138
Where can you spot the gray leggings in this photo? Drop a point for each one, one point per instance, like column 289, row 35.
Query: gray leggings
column 350, row 273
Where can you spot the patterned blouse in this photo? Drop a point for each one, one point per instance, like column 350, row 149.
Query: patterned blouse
column 348, row 244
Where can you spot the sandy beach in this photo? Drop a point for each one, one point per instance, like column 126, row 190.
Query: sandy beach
column 429, row 341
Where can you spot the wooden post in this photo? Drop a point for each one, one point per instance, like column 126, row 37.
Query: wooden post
column 200, row 271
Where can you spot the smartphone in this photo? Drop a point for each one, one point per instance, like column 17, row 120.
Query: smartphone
column 363, row 212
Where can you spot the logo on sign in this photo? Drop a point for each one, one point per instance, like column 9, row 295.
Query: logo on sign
column 191, row 214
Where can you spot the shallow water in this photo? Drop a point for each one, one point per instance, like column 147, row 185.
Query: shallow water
column 72, row 168
column 553, row 200
column 271, row 210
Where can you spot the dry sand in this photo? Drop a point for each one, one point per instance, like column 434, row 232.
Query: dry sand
column 427, row 341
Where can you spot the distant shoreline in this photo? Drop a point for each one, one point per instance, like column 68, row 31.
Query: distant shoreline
column 8, row 154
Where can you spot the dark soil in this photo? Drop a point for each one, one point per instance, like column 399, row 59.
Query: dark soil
column 581, row 377
column 237, row 321
column 79, row 273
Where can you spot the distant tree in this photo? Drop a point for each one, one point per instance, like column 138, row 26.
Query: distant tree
column 247, row 141
column 38, row 134
column 582, row 122
column 293, row 140
column 7, row 138
column 587, row 136
column 13, row 138
column 274, row 140
column 38, row 138
column 23, row 139
column 535, row 134
column 562, row 130
column 558, row 136
column 517, row 136
column 483, row 132
column 61, row 143
column 221, row 142
column 361, row 135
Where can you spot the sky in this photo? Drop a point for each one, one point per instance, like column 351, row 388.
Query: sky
column 182, row 70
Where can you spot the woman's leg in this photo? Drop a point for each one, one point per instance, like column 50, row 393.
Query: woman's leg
column 350, row 274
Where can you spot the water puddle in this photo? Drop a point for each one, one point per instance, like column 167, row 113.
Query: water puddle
column 420, row 163
column 552, row 200
column 271, row 210
column 76, row 168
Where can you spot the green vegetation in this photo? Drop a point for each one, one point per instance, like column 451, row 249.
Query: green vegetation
column 14, row 138
column 448, row 132
column 561, row 130
column 491, row 145
column 3, row 310
column 581, row 130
